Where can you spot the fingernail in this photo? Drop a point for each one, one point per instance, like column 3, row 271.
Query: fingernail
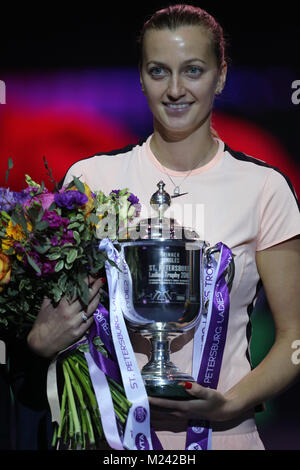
column 188, row 385
column 103, row 279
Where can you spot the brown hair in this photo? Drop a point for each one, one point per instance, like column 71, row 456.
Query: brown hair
column 175, row 16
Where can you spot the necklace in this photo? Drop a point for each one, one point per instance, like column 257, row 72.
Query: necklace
column 176, row 191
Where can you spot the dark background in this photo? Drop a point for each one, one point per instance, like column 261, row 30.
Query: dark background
column 64, row 34
column 263, row 49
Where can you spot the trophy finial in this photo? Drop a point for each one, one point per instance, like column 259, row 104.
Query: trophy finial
column 160, row 200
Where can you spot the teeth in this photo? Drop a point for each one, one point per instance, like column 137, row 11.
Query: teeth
column 177, row 106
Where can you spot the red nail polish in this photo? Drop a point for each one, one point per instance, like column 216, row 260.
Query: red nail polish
column 188, row 385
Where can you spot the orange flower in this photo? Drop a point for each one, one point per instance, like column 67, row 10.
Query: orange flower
column 13, row 233
column 5, row 270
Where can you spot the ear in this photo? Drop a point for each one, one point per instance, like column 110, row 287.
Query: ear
column 142, row 82
column 141, row 78
column 222, row 78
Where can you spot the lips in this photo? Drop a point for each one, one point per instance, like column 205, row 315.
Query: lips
column 177, row 107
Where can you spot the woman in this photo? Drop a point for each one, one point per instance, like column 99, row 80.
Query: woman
column 248, row 205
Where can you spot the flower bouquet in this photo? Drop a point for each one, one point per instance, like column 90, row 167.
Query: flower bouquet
column 49, row 246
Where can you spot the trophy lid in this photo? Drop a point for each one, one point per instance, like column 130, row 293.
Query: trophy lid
column 160, row 201
column 161, row 227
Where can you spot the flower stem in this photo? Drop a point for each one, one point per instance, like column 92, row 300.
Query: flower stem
column 74, row 420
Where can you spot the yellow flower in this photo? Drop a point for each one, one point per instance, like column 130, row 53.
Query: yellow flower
column 13, row 233
column 89, row 205
column 5, row 270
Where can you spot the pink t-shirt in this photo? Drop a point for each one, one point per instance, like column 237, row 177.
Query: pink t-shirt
column 234, row 199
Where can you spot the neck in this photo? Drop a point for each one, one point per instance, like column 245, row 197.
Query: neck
column 183, row 152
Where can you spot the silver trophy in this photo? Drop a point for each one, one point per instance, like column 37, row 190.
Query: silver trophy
column 166, row 263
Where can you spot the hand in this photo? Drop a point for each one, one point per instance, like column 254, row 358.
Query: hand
column 208, row 404
column 56, row 328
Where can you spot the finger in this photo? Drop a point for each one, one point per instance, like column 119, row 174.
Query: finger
column 95, row 288
column 196, row 390
column 84, row 325
column 76, row 304
column 46, row 302
column 164, row 404
column 84, row 315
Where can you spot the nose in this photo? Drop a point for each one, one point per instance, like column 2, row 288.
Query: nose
column 176, row 89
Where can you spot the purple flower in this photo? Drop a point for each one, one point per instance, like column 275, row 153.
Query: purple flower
column 54, row 219
column 54, row 240
column 67, row 237
column 115, row 191
column 46, row 199
column 48, row 267
column 9, row 199
column 133, row 199
column 70, row 199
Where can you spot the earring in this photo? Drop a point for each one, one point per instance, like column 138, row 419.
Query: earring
column 218, row 91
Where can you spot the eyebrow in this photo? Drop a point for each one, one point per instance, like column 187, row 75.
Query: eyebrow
column 195, row 59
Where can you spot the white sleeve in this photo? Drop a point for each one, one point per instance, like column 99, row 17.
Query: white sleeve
column 279, row 212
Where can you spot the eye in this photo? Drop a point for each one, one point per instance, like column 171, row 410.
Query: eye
column 194, row 71
column 157, row 72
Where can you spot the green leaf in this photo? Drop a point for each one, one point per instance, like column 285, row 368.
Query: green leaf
column 10, row 166
column 73, row 225
column 33, row 264
column 76, row 236
column 53, row 256
column 93, row 219
column 22, row 284
column 62, row 281
column 30, row 182
column 59, row 266
column 42, row 225
column 71, row 256
column 79, row 185
column 42, row 249
column 19, row 219
column 84, row 293
column 57, row 293
column 100, row 346
column 84, row 348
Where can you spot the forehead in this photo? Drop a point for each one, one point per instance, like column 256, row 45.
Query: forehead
column 180, row 44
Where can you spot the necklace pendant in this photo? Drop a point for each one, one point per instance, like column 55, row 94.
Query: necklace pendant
column 177, row 195
column 176, row 191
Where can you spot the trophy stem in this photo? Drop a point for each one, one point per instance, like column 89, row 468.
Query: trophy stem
column 160, row 375
column 160, row 356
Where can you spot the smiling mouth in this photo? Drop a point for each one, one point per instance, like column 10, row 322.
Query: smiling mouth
column 177, row 106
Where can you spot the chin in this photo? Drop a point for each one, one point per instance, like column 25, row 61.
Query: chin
column 179, row 129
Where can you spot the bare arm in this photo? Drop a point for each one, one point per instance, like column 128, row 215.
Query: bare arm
column 279, row 268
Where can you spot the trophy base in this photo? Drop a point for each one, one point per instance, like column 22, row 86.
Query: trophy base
column 172, row 391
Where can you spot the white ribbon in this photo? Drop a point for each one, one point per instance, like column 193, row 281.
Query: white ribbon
column 137, row 434
column 105, row 404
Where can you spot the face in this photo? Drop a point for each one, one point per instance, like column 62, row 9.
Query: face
column 180, row 77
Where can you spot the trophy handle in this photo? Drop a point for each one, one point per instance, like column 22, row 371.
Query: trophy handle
column 230, row 271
